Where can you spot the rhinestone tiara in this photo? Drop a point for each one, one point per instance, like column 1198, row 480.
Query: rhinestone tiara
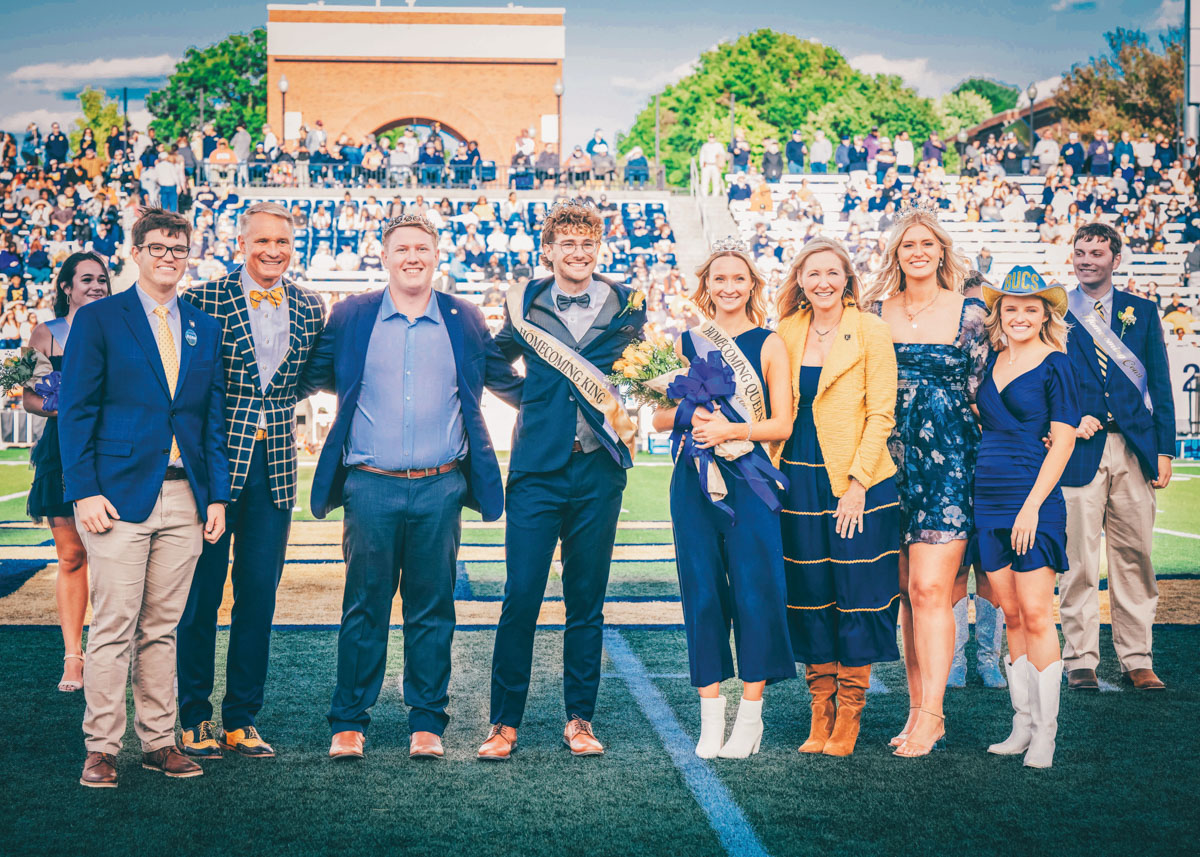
column 730, row 244
column 409, row 220
column 924, row 205
column 571, row 203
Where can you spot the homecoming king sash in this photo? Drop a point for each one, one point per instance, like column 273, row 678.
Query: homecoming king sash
column 1083, row 308
column 589, row 382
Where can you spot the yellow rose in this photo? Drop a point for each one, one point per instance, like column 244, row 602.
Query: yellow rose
column 637, row 299
column 630, row 372
column 619, row 366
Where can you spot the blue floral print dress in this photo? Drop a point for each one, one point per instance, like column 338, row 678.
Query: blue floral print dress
column 936, row 437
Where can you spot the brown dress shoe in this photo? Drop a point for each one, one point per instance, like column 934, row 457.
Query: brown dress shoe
column 1082, row 680
column 169, row 761
column 1144, row 679
column 347, row 745
column 99, row 771
column 579, row 737
column 500, row 744
column 425, row 745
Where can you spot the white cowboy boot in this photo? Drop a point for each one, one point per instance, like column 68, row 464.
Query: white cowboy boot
column 1045, row 688
column 712, row 727
column 1022, row 723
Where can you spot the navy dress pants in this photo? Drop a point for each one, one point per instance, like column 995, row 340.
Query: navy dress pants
column 258, row 530
column 579, row 503
column 398, row 533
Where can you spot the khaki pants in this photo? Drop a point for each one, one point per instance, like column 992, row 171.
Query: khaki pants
column 1121, row 502
column 710, row 180
column 140, row 577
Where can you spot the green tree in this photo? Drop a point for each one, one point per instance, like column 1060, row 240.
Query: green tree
column 100, row 113
column 779, row 82
column 225, row 82
column 1000, row 96
column 1132, row 88
column 959, row 110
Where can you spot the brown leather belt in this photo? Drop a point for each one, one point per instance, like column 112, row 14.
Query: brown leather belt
column 410, row 474
column 174, row 474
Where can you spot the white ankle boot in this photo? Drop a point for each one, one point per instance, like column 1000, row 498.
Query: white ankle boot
column 747, row 731
column 712, row 727
column 1044, row 690
column 1022, row 724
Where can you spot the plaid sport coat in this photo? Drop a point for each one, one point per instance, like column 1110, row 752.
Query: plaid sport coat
column 225, row 300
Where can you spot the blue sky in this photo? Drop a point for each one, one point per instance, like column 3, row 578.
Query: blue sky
column 618, row 52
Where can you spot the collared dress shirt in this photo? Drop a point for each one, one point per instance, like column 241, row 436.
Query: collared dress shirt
column 270, row 328
column 149, row 304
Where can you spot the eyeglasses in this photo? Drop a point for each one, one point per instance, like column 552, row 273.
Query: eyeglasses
column 158, row 251
column 570, row 247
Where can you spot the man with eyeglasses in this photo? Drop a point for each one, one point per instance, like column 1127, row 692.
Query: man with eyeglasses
column 142, row 430
column 572, row 446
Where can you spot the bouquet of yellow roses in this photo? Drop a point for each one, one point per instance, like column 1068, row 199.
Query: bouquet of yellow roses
column 646, row 368
column 18, row 370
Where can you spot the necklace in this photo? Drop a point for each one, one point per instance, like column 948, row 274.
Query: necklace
column 821, row 334
column 912, row 315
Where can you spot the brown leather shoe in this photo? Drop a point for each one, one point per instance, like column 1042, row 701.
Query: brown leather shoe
column 169, row 761
column 1082, row 680
column 1144, row 679
column 347, row 745
column 579, row 737
column 425, row 745
column 500, row 744
column 99, row 771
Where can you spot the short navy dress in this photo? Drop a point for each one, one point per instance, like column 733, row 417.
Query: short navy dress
column 46, row 493
column 1015, row 420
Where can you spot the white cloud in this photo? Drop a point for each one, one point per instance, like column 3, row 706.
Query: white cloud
column 1073, row 5
column 914, row 72
column 1169, row 14
column 655, row 82
column 120, row 68
column 18, row 121
column 1045, row 88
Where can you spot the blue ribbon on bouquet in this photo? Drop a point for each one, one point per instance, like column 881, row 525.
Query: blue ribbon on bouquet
column 709, row 383
column 47, row 388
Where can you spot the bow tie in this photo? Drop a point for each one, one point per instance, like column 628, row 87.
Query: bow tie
column 565, row 301
column 273, row 296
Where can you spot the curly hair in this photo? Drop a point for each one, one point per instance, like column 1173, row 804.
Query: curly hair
column 582, row 220
column 756, row 305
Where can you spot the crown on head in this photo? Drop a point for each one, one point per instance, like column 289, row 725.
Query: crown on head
column 409, row 220
column 571, row 203
column 923, row 205
column 730, row 244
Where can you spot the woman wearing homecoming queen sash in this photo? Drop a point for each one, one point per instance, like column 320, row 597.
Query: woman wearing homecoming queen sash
column 1122, row 454
column 728, row 549
column 572, row 444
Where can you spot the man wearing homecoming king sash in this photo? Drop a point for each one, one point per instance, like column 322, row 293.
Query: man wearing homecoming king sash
column 1123, row 452
column 572, row 445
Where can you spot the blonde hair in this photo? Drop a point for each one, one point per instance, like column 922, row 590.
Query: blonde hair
column 576, row 218
column 1053, row 331
column 415, row 221
column 952, row 269
column 756, row 305
column 791, row 297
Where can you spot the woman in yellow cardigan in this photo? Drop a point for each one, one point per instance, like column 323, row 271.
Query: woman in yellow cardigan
column 841, row 517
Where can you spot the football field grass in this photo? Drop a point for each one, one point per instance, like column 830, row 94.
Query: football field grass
column 1124, row 780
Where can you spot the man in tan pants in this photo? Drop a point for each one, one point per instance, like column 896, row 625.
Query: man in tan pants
column 141, row 424
column 1123, row 451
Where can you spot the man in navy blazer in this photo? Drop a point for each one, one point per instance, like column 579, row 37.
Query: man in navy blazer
column 141, row 426
column 408, row 449
column 1125, row 443
column 566, row 476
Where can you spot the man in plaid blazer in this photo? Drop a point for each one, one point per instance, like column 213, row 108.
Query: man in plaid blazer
column 269, row 325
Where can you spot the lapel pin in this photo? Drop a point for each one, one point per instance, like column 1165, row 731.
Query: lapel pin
column 847, row 337
column 190, row 337
column 453, row 311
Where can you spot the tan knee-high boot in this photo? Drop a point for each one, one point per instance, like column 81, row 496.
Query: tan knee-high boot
column 851, row 697
column 822, row 685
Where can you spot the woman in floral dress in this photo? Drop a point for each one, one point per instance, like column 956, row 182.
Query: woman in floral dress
column 941, row 353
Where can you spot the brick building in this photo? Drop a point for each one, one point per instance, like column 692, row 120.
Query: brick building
column 482, row 72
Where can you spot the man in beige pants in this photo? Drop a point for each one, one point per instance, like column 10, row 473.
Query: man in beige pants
column 1123, row 451
column 141, row 424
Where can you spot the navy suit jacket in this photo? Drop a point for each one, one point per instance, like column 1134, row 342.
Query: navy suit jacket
column 545, row 430
column 116, row 415
column 1149, row 435
column 336, row 365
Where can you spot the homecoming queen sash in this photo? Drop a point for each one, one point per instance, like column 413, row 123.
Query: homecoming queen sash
column 1082, row 307
column 589, row 382
column 748, row 400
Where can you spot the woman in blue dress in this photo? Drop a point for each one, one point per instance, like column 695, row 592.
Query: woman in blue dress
column 941, row 353
column 841, row 519
column 730, row 560
column 1029, row 394
column 83, row 278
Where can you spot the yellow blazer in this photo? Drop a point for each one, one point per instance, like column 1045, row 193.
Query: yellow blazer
column 855, row 407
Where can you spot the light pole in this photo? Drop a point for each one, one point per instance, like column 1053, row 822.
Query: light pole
column 1031, row 91
column 283, row 88
column 558, row 94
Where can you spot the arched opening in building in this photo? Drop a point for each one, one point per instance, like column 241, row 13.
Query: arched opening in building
column 423, row 127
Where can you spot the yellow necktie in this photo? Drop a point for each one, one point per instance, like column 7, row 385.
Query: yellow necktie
column 273, row 296
column 170, row 362
column 1100, row 355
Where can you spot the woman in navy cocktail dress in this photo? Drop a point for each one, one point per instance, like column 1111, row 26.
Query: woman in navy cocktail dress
column 1028, row 394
